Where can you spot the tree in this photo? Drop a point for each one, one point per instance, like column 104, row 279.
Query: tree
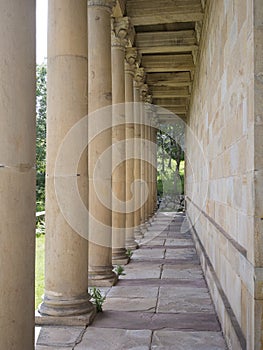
column 41, row 103
column 170, row 141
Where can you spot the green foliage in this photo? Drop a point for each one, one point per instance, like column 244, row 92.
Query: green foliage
column 41, row 103
column 39, row 267
column 170, row 178
column 97, row 298
column 119, row 270
column 129, row 253
column 40, row 228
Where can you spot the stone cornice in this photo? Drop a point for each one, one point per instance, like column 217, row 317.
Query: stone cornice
column 102, row 3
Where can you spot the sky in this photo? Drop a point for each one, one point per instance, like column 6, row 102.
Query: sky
column 41, row 16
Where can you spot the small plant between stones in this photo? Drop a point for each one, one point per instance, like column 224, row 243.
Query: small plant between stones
column 97, row 298
column 129, row 253
column 119, row 270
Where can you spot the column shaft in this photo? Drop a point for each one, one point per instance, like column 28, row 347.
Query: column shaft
column 66, row 250
column 119, row 41
column 131, row 54
column 100, row 95
column 155, row 130
column 17, row 184
column 139, row 78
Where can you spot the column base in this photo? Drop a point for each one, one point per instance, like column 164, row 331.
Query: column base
column 143, row 228
column 138, row 233
column 119, row 256
column 131, row 244
column 121, row 261
column 80, row 320
column 58, row 307
column 148, row 223
column 101, row 277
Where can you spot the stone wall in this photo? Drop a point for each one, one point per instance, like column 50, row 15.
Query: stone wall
column 221, row 163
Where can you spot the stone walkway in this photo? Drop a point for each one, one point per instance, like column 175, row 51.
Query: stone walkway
column 162, row 302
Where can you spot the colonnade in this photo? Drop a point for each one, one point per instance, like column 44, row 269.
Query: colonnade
column 94, row 75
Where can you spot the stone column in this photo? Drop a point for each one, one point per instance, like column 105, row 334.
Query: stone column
column 66, row 250
column 138, row 82
column 17, row 169
column 100, row 95
column 155, row 147
column 153, row 132
column 148, row 111
column 119, row 41
column 144, row 154
column 130, row 59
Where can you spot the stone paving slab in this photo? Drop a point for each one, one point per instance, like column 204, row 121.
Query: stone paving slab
column 154, row 245
column 131, row 304
column 146, row 242
column 146, row 320
column 179, row 242
column 43, row 347
column 159, row 262
column 142, row 270
column 115, row 339
column 171, row 340
column 179, row 235
column 181, row 299
column 187, row 272
column 154, row 282
column 184, row 253
column 149, row 253
column 60, row 336
column 133, row 292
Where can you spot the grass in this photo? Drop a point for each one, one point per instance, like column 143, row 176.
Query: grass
column 39, row 277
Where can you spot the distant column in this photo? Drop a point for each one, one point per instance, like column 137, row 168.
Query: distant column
column 17, row 169
column 130, row 59
column 155, row 148
column 150, row 164
column 144, row 163
column 138, row 82
column 66, row 269
column 100, row 95
column 119, row 41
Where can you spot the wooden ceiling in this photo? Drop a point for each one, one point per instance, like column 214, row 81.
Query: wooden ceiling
column 167, row 36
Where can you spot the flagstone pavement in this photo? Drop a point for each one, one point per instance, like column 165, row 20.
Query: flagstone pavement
column 162, row 301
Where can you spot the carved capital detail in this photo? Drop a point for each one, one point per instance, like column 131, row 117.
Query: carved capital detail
column 121, row 28
column 148, row 100
column 144, row 92
column 131, row 55
column 139, row 77
column 102, row 3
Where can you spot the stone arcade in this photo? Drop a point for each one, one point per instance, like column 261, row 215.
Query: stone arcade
column 198, row 59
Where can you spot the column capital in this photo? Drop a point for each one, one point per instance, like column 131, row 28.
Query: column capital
column 121, row 32
column 139, row 77
column 148, row 102
column 102, row 3
column 144, row 92
column 131, row 56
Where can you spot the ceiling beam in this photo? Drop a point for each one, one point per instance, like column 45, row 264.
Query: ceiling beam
column 166, row 92
column 165, row 42
column 150, row 12
column 168, row 63
column 177, row 79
